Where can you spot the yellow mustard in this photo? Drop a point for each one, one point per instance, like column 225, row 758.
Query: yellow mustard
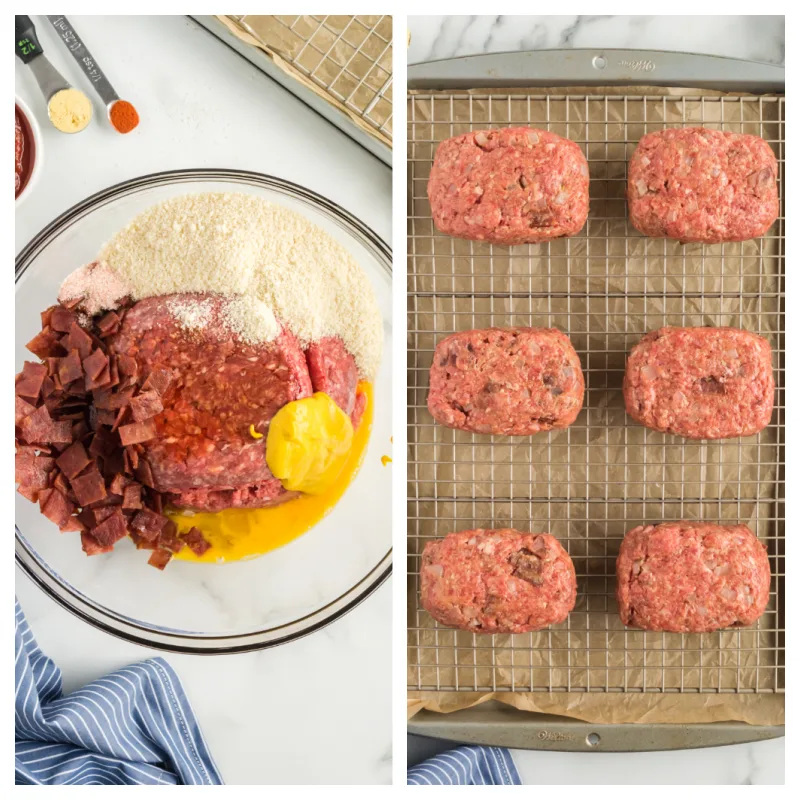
column 308, row 442
column 69, row 110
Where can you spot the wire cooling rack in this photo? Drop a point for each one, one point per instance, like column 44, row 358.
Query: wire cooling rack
column 350, row 57
column 589, row 484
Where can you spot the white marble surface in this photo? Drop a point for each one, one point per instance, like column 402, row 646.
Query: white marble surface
column 296, row 713
column 760, row 38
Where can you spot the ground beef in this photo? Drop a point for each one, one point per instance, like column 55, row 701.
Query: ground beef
column 509, row 186
column 333, row 371
column 701, row 185
column 509, row 381
column 497, row 581
column 691, row 577
column 701, row 383
column 220, row 386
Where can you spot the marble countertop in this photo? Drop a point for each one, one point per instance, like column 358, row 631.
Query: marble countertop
column 759, row 38
column 292, row 714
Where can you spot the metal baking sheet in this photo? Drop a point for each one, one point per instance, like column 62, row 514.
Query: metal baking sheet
column 347, row 60
column 604, row 475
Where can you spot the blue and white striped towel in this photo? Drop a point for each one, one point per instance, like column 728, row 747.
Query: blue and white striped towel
column 466, row 766
column 132, row 727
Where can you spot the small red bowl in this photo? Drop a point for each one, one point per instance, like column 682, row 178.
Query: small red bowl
column 32, row 148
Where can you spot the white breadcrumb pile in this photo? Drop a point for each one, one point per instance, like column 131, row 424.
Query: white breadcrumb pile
column 252, row 319
column 270, row 257
column 191, row 314
column 99, row 288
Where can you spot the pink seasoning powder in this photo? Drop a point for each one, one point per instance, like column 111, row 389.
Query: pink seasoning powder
column 98, row 285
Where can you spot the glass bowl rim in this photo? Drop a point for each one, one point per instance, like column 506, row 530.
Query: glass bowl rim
column 118, row 624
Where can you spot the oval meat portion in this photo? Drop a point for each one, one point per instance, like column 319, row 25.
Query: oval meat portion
column 509, row 186
column 691, row 577
column 509, row 381
column 497, row 581
column 701, row 383
column 701, row 185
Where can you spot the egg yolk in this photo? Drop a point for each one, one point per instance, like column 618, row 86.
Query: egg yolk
column 308, row 442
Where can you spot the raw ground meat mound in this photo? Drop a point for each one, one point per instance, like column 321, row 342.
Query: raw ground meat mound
column 702, row 185
column 497, row 581
column 701, row 383
column 509, row 186
column 203, row 455
column 691, row 577
column 508, row 381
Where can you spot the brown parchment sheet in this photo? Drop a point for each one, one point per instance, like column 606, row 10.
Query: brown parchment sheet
column 589, row 484
column 346, row 60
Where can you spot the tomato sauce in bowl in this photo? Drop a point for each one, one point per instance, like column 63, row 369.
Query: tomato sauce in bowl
column 24, row 151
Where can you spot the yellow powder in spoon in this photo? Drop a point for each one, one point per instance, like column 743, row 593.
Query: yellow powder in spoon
column 70, row 110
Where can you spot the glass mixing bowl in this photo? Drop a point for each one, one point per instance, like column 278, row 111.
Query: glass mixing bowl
column 195, row 607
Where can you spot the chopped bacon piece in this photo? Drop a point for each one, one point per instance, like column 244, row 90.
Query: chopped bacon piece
column 69, row 368
column 119, row 418
column 73, row 524
column 108, row 324
column 55, row 506
column 128, row 366
column 146, row 405
column 169, row 539
column 143, row 473
column 92, row 547
column 103, row 443
column 198, row 543
column 103, row 513
column 159, row 559
column 102, row 381
column 32, row 471
column 118, row 484
column 94, row 365
column 48, row 387
column 132, row 496
column 39, row 427
column 89, row 487
column 21, row 409
column 111, row 529
column 137, row 432
column 156, row 501
column 29, row 381
column 47, row 315
column 105, row 417
column 45, row 344
column 159, row 379
column 148, row 524
column 142, row 543
column 28, row 492
column 73, row 460
column 79, row 340
column 61, row 319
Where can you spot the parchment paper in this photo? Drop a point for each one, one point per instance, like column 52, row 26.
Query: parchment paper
column 604, row 475
column 347, row 41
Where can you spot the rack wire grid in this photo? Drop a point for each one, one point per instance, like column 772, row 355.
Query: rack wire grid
column 604, row 475
column 350, row 57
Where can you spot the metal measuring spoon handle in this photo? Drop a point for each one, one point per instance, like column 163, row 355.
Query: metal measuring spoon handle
column 30, row 52
column 86, row 62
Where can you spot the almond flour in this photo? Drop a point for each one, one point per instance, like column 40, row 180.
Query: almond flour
column 270, row 258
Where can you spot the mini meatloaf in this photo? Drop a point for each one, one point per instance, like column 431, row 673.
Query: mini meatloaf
column 701, row 383
column 691, row 577
column 497, row 581
column 509, row 186
column 508, row 381
column 204, row 456
column 700, row 185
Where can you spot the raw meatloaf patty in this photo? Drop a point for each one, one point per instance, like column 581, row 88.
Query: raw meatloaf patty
column 509, row 381
column 701, row 383
column 691, row 577
column 497, row 581
column 700, row 185
column 204, row 456
column 509, row 186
